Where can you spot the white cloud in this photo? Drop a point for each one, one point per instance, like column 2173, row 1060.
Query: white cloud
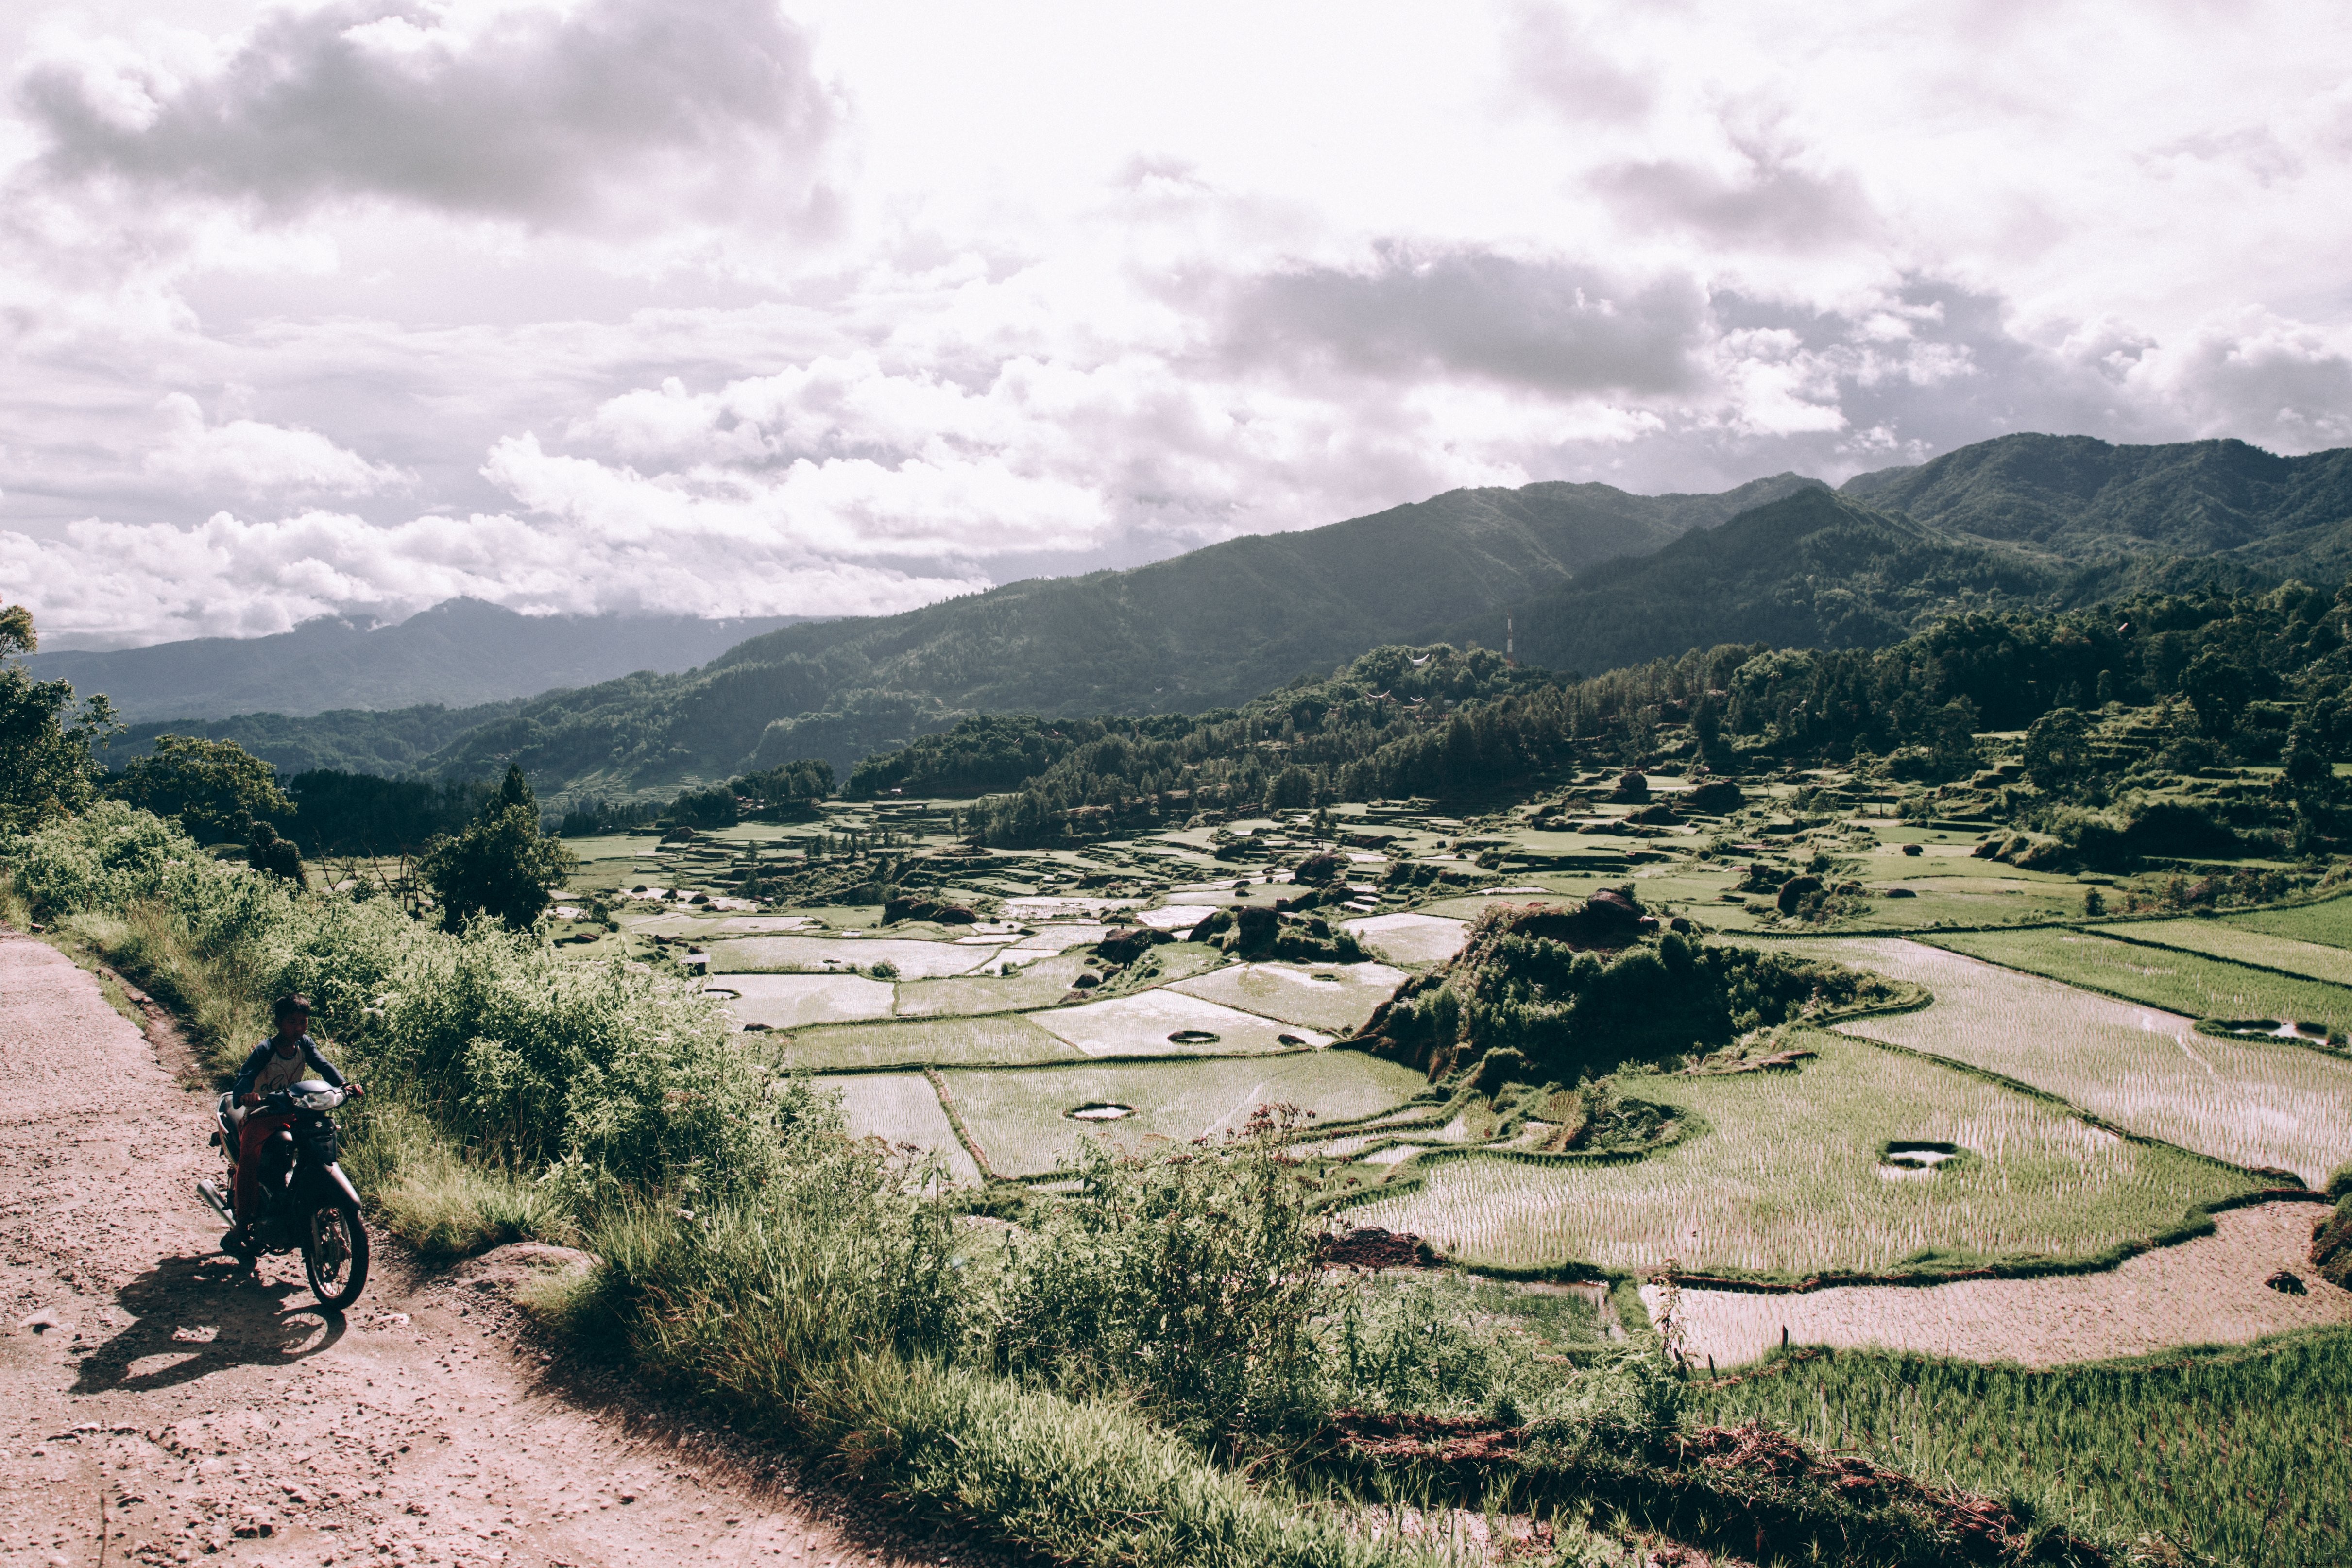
column 257, row 458
column 115, row 581
column 617, row 113
column 585, row 303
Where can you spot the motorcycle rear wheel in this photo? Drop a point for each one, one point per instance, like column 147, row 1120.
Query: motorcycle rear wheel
column 335, row 1254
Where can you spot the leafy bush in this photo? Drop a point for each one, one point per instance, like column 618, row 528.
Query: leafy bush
column 1188, row 1280
column 1572, row 1010
column 99, row 861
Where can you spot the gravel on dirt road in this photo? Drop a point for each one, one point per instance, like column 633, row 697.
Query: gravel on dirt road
column 163, row 1405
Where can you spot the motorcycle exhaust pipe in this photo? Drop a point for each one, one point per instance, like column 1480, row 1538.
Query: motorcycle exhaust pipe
column 219, row 1200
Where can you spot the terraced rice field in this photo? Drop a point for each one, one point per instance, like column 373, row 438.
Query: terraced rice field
column 903, row 1108
column 793, row 1001
column 2184, row 983
column 2236, row 944
column 817, row 954
column 2328, row 922
column 1166, row 1022
column 2253, row 1102
column 1040, row 984
column 1335, row 998
column 1006, row 1039
column 1021, row 1117
column 1789, row 1180
column 1411, row 939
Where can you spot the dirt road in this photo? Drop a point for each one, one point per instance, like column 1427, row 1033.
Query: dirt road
column 158, row 1404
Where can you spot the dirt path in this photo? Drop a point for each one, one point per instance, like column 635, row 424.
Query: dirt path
column 203, row 1413
column 2210, row 1290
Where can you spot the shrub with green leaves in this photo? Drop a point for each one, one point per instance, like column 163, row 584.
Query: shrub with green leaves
column 1573, row 1008
column 1188, row 1280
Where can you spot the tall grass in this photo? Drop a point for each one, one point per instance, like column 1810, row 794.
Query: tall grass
column 835, row 1308
column 2237, row 1454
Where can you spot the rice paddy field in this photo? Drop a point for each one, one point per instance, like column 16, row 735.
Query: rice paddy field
column 2239, row 944
column 1790, row 1179
column 2176, row 981
column 1336, row 999
column 1024, row 1120
column 1039, row 1041
column 1004, row 1041
column 2254, row 1102
column 2327, row 923
column 2240, row 1453
column 903, row 1108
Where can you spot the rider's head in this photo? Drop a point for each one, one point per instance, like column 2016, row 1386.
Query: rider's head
column 292, row 1013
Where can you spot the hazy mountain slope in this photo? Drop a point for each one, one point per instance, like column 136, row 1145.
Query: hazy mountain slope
column 460, row 653
column 1812, row 569
column 1218, row 626
column 1208, row 628
column 353, row 740
column 2086, row 499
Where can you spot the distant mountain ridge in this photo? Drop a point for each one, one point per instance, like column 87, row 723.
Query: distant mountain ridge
column 460, row 653
column 1597, row 579
column 2081, row 498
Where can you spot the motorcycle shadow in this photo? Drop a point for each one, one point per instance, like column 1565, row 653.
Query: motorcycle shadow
column 197, row 1316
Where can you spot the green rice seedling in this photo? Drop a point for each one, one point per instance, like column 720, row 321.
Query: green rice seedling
column 2254, row 1102
column 2327, row 923
column 1025, row 1117
column 2235, row 943
column 1792, row 1178
column 2237, row 1454
column 1000, row 1040
column 2187, row 982
column 903, row 1110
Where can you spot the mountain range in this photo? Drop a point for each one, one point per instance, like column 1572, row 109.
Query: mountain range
column 1594, row 578
column 461, row 652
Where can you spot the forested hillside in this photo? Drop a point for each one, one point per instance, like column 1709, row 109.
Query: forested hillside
column 2086, row 499
column 1214, row 626
column 2248, row 677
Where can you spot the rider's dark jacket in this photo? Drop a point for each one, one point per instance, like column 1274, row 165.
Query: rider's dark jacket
column 266, row 1052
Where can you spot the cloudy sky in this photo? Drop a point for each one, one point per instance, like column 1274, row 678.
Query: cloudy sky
column 717, row 307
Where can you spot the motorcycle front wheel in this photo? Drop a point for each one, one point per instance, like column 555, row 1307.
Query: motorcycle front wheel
column 335, row 1254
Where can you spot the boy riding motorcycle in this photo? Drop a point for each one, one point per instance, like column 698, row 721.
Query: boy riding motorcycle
column 287, row 1057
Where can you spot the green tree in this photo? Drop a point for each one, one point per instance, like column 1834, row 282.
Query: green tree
column 2219, row 687
column 501, row 865
column 2057, row 749
column 217, row 789
column 47, row 766
column 1952, row 738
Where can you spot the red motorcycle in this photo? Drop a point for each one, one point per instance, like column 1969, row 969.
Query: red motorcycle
column 306, row 1202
